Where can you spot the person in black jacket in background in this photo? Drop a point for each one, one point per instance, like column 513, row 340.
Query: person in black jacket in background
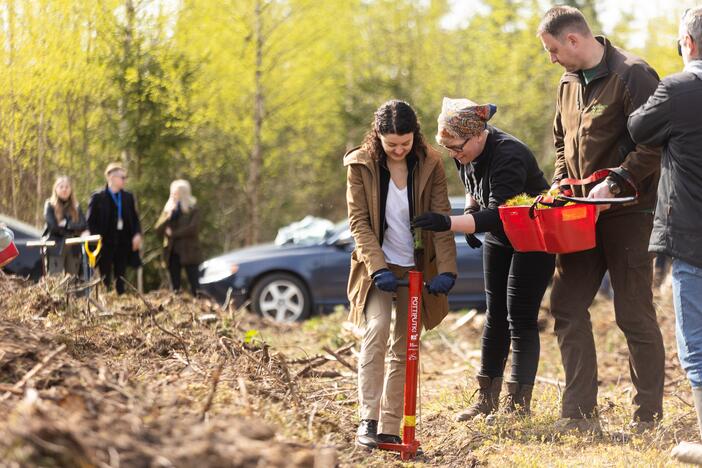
column 494, row 167
column 112, row 214
column 670, row 118
column 64, row 219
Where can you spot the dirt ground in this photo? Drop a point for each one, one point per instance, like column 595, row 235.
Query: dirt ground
column 165, row 380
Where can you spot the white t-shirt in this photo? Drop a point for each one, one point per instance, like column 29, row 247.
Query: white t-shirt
column 398, row 245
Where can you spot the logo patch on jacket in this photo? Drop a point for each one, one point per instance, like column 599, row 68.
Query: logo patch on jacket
column 598, row 109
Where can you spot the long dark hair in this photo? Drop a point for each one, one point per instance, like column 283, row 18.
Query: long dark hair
column 394, row 117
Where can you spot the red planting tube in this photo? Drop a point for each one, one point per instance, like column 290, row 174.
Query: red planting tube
column 408, row 447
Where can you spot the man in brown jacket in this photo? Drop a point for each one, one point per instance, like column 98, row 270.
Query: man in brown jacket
column 601, row 86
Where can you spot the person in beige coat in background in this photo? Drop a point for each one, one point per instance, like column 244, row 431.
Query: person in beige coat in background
column 179, row 226
column 391, row 178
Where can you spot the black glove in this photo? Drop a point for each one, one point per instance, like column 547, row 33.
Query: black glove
column 432, row 221
column 441, row 283
column 385, row 280
column 473, row 241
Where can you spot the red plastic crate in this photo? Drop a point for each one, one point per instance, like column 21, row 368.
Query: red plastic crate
column 522, row 231
column 8, row 254
column 568, row 229
column 562, row 229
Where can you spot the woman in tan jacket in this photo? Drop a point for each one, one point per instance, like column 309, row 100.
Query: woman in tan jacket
column 391, row 178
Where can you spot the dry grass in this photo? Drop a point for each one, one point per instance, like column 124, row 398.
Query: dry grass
column 155, row 385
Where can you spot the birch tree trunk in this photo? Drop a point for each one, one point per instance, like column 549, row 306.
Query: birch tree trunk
column 41, row 154
column 256, row 160
column 14, row 188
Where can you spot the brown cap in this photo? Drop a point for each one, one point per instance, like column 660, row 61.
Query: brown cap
column 114, row 167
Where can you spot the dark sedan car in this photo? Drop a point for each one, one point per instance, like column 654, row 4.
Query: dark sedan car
column 289, row 282
column 28, row 262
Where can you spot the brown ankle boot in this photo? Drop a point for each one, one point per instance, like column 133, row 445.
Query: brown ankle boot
column 518, row 398
column 488, row 398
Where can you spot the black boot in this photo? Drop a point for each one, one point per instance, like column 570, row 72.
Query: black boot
column 389, row 439
column 488, row 398
column 518, row 398
column 367, row 434
column 395, row 439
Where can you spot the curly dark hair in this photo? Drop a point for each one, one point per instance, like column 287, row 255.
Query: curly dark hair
column 393, row 117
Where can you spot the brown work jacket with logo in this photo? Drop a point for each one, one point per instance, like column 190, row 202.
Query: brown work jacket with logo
column 590, row 130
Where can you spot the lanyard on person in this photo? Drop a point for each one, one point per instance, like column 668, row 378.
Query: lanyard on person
column 117, row 198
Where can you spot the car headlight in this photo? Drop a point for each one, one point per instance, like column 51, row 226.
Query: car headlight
column 217, row 271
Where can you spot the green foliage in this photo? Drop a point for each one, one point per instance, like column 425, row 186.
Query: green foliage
column 522, row 199
column 255, row 100
column 252, row 336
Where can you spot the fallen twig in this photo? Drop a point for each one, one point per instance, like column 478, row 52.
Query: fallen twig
column 152, row 314
column 685, row 402
column 289, row 381
column 340, row 359
column 103, row 311
column 308, row 368
column 310, row 420
column 453, row 347
column 213, row 389
column 261, row 365
column 546, row 380
column 38, row 367
column 675, row 382
column 76, row 289
column 228, row 298
column 10, row 389
column 323, row 374
column 244, row 393
column 464, row 320
column 346, row 349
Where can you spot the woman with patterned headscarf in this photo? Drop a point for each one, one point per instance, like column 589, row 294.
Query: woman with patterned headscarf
column 494, row 167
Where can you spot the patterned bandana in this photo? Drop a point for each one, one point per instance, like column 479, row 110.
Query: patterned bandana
column 462, row 118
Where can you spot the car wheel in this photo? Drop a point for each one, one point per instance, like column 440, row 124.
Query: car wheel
column 281, row 297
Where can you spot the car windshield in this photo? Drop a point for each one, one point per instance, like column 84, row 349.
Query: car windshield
column 313, row 231
column 308, row 231
column 341, row 232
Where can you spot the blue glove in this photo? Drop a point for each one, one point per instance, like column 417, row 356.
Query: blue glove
column 441, row 283
column 385, row 280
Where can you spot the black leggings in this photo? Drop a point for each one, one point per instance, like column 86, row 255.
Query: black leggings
column 174, row 271
column 515, row 283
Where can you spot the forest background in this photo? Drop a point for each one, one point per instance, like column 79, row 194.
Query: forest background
column 256, row 101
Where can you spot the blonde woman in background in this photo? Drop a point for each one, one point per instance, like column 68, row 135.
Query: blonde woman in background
column 64, row 219
column 179, row 226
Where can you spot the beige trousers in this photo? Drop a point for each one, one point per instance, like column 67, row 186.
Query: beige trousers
column 381, row 393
